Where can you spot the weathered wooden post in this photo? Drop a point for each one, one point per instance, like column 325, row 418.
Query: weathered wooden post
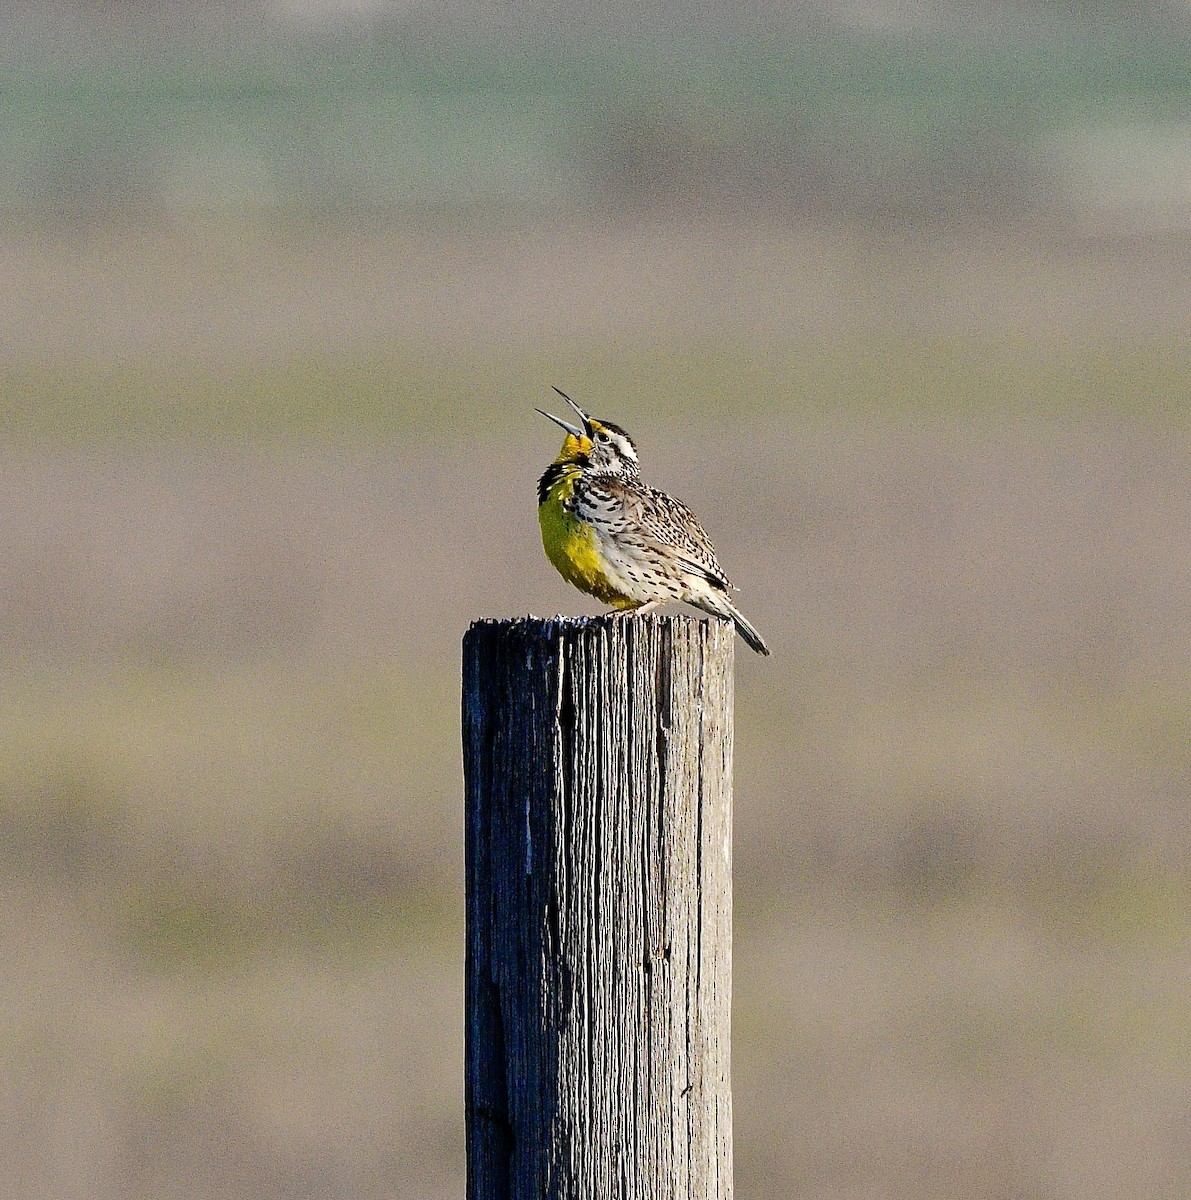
column 598, row 764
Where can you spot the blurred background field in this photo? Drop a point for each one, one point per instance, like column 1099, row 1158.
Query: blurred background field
column 897, row 296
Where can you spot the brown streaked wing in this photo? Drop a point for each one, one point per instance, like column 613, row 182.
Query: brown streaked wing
column 668, row 523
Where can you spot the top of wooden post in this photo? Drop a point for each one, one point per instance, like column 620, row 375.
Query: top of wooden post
column 617, row 625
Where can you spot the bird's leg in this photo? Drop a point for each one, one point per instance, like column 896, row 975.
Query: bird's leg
column 648, row 606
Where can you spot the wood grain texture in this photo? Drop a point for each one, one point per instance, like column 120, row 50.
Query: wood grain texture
column 598, row 765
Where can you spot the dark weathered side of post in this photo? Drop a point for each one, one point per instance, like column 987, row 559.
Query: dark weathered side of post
column 598, row 764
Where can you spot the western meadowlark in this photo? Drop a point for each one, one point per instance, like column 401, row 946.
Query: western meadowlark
column 620, row 540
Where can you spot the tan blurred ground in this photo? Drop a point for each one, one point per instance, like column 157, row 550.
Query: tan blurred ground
column 213, row 291
column 950, row 476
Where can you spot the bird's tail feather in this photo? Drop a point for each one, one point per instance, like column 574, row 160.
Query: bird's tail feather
column 745, row 628
column 750, row 635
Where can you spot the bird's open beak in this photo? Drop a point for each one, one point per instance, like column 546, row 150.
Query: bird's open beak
column 573, row 430
column 586, row 431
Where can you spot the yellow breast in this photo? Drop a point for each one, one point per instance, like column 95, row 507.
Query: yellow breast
column 574, row 546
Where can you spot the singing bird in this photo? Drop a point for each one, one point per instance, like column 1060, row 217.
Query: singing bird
column 619, row 539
